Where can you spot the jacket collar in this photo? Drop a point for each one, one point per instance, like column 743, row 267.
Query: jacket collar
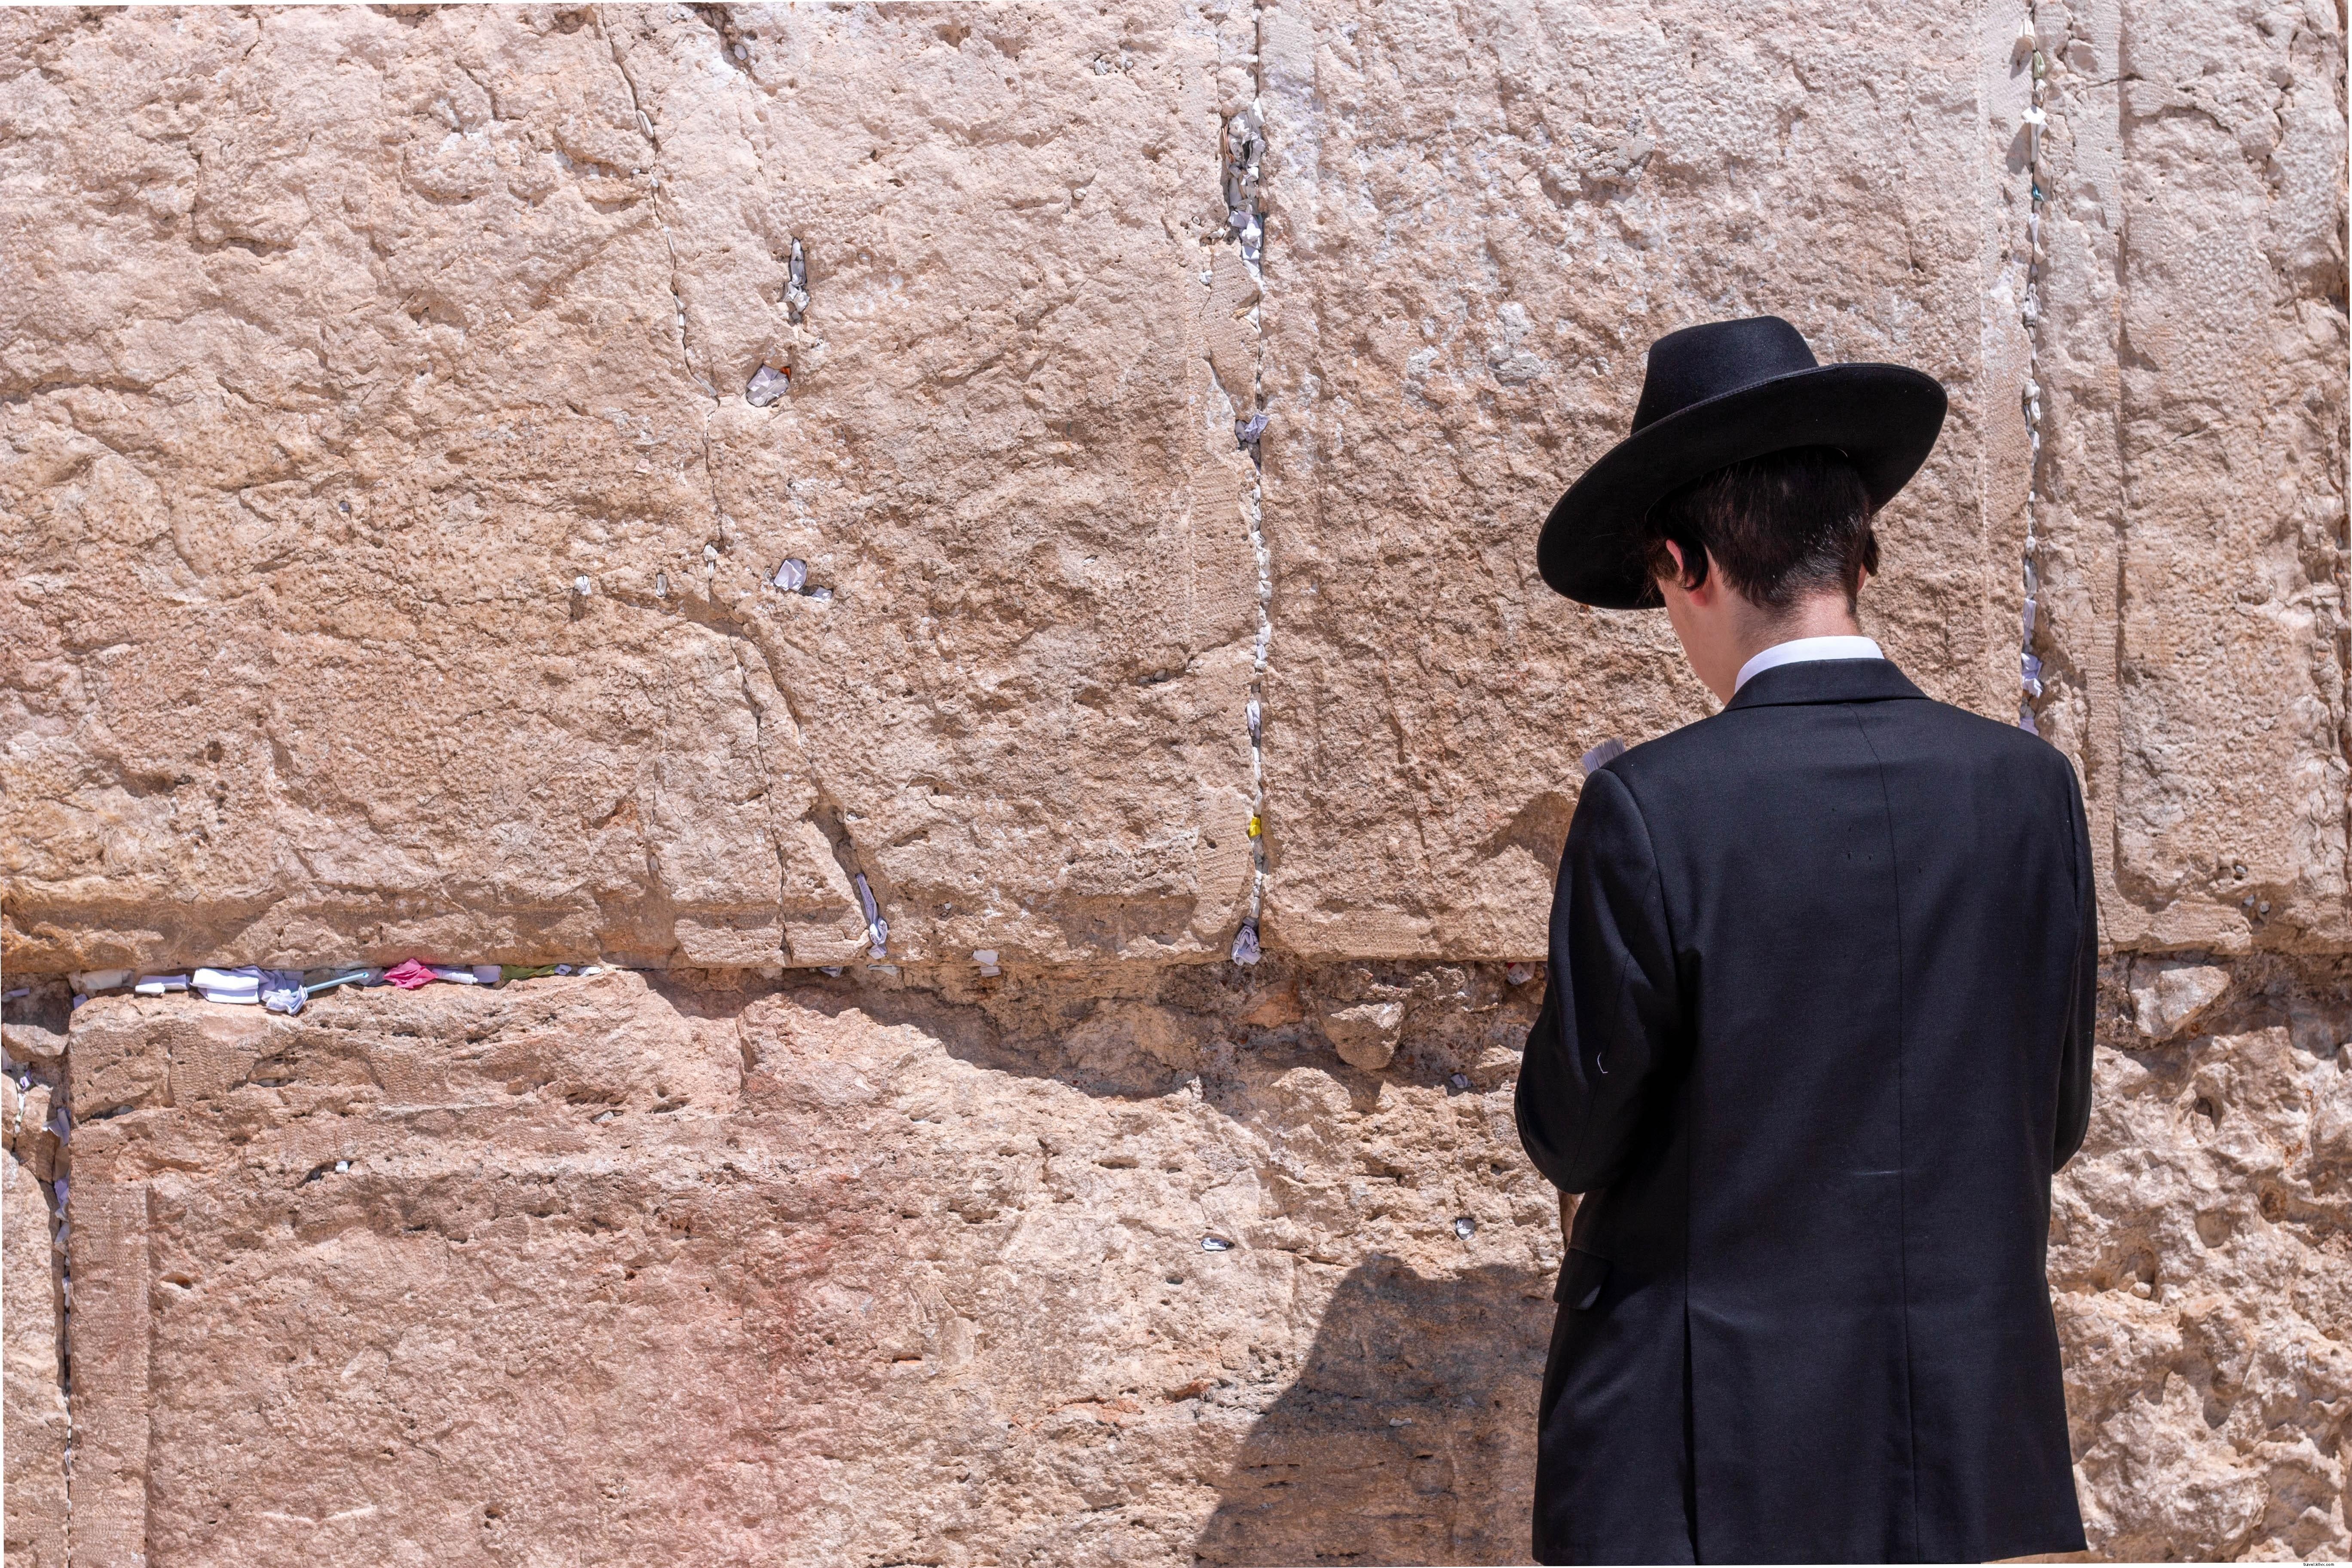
column 1825, row 681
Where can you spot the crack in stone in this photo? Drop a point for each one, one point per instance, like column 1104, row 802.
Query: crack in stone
column 796, row 294
column 828, row 814
column 670, row 243
column 720, row 20
column 767, row 789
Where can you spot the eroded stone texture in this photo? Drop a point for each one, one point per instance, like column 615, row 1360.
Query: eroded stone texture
column 840, row 1274
column 2192, row 349
column 1004, row 451
column 1139, row 1270
column 353, row 345
column 31, row 1333
column 392, row 533
column 1480, row 217
column 2203, row 1280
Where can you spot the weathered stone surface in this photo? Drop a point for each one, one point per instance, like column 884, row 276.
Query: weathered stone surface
column 1101, row 1273
column 847, row 1273
column 1480, row 217
column 2169, row 994
column 1366, row 1034
column 2191, row 502
column 353, row 344
column 2203, row 1280
column 392, row 533
column 33, row 1397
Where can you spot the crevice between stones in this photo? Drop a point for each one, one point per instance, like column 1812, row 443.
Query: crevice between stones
column 1242, row 159
column 827, row 815
column 59, row 1192
column 2030, row 669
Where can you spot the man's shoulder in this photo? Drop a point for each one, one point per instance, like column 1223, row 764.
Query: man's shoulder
column 1963, row 734
column 1725, row 741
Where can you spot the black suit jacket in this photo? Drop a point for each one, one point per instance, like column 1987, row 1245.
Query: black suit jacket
column 1818, row 1032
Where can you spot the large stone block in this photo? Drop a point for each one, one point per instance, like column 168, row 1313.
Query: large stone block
column 1478, row 220
column 835, row 1274
column 2191, row 501
column 2200, row 1280
column 394, row 513
column 1136, row 1271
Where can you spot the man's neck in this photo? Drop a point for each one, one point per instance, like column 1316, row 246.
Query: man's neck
column 1815, row 615
column 1721, row 629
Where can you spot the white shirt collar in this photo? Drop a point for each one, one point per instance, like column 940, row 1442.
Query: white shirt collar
column 1800, row 650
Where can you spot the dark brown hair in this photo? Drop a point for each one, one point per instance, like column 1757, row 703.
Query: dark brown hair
column 1779, row 526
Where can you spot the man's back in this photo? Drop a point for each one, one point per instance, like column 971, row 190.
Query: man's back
column 1817, row 1035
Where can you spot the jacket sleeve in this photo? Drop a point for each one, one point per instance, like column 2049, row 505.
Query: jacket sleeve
column 2081, row 999
column 1610, row 1010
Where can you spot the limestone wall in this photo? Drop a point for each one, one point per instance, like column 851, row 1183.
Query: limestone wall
column 408, row 414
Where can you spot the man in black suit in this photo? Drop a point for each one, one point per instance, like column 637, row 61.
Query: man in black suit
column 1819, row 1024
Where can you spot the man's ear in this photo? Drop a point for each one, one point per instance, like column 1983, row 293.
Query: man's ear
column 1682, row 576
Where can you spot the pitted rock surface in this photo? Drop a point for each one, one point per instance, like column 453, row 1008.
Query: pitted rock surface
column 393, row 536
column 840, row 1273
column 2201, row 1277
column 1481, row 218
column 2192, row 340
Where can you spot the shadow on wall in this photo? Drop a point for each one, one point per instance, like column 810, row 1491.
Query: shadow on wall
column 1408, row 1436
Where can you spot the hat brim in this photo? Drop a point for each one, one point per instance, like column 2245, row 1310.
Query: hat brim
column 1883, row 417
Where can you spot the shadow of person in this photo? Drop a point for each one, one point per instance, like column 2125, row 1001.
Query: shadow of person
column 1409, row 1435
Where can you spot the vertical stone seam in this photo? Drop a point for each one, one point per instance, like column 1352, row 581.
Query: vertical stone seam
column 1242, row 160
column 61, row 1232
column 2030, row 688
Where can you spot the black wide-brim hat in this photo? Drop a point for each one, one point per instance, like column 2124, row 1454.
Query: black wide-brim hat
column 1716, row 394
